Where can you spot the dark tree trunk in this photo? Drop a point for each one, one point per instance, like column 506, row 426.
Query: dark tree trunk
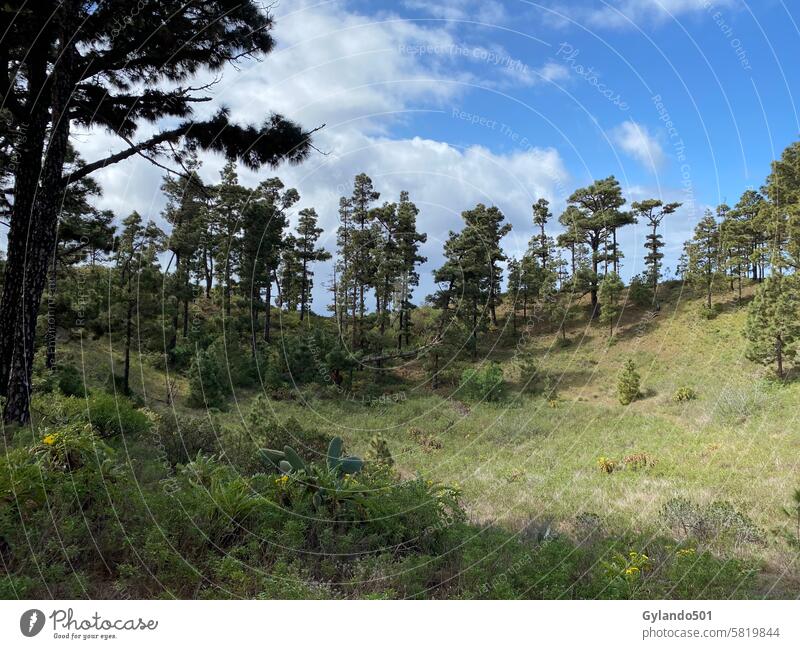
column 30, row 266
column 26, row 179
column 126, row 369
column 50, row 337
column 208, row 267
column 186, row 318
column 173, row 341
column 267, row 311
column 304, row 291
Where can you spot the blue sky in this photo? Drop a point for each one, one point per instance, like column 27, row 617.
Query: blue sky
column 507, row 102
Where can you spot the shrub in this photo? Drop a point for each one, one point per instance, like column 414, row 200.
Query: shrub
column 718, row 522
column 427, row 441
column 684, row 394
column 529, row 373
column 265, row 429
column 705, row 312
column 379, row 452
column 70, row 381
column 638, row 461
column 606, row 465
column 628, row 385
column 208, row 387
column 484, row 383
column 182, row 438
column 108, row 414
column 640, row 292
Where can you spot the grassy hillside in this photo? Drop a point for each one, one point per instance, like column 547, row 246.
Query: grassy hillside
column 531, row 463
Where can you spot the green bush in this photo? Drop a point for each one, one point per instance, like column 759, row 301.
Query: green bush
column 114, row 415
column 684, row 394
column 628, row 388
column 640, row 292
column 70, row 381
column 484, row 383
column 208, row 385
column 182, row 438
column 706, row 312
column 109, row 415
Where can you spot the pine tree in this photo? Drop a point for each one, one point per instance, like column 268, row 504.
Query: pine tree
column 67, row 70
column 610, row 293
column 486, row 229
column 264, row 220
column 409, row 241
column 138, row 278
column 291, row 275
column 594, row 220
column 750, row 218
column 362, row 259
column 230, row 199
column 514, row 269
column 628, row 385
column 308, row 254
column 773, row 322
column 185, row 212
column 703, row 254
column 84, row 233
column 653, row 212
column 783, row 214
column 356, row 241
column 540, row 245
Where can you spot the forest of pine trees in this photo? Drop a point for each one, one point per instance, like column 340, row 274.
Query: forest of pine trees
column 252, row 251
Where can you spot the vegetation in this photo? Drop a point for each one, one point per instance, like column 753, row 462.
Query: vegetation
column 176, row 413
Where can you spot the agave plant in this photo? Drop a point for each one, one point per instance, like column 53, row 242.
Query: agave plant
column 326, row 484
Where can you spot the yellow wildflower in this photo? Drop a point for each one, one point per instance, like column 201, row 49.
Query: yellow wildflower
column 49, row 439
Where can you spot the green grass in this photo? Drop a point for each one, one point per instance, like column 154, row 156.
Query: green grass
column 535, row 457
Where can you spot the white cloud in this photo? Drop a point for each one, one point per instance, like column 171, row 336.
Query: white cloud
column 635, row 140
column 621, row 13
column 554, row 72
column 360, row 77
column 490, row 13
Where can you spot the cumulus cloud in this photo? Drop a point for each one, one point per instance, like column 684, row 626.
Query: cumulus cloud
column 621, row 13
column 361, row 77
column 635, row 140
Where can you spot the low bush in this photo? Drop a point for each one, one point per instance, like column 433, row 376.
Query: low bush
column 684, row 394
column 484, row 383
column 719, row 523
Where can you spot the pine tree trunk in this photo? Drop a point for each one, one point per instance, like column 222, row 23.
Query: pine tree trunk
column 126, row 370
column 26, row 179
column 173, row 341
column 304, row 291
column 267, row 311
column 50, row 337
column 208, row 267
column 186, row 317
column 30, row 266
